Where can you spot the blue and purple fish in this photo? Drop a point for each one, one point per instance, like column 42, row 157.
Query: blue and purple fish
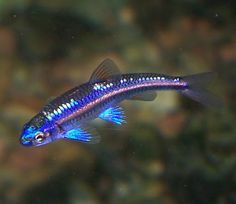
column 68, row 116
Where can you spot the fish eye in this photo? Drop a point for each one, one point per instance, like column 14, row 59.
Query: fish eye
column 39, row 137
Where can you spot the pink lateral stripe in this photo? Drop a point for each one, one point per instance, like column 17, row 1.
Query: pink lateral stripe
column 90, row 105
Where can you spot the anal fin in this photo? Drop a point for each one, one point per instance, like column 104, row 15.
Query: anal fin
column 146, row 96
column 114, row 115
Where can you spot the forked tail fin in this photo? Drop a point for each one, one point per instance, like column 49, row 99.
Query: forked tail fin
column 198, row 89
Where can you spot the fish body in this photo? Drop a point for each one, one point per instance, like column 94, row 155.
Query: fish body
column 68, row 115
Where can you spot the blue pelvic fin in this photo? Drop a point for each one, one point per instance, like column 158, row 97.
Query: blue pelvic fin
column 82, row 135
column 104, row 71
column 114, row 115
column 146, row 96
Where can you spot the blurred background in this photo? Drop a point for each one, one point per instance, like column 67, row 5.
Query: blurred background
column 171, row 151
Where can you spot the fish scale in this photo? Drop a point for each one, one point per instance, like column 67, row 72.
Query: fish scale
column 120, row 82
column 68, row 116
column 90, row 91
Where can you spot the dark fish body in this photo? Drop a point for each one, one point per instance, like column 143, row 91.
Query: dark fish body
column 91, row 98
column 68, row 115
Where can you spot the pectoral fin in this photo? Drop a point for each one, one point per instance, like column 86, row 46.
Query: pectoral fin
column 82, row 135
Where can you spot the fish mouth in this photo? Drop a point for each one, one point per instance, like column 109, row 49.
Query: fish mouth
column 25, row 142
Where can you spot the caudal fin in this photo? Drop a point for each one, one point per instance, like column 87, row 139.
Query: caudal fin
column 198, row 89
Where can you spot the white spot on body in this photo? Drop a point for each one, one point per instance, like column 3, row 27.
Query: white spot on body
column 72, row 104
column 64, row 106
column 95, row 86
column 49, row 117
column 68, row 105
column 99, row 86
column 59, row 111
column 55, row 112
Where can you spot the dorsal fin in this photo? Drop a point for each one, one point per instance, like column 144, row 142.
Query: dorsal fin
column 50, row 99
column 105, row 70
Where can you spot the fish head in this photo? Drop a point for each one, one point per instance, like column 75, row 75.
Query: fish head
column 36, row 133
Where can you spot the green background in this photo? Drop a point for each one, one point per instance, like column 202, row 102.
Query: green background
column 171, row 151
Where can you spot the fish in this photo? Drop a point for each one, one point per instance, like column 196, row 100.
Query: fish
column 68, row 116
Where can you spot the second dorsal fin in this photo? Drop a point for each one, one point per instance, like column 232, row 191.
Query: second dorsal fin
column 105, row 70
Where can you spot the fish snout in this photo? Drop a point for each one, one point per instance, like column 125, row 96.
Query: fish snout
column 25, row 141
